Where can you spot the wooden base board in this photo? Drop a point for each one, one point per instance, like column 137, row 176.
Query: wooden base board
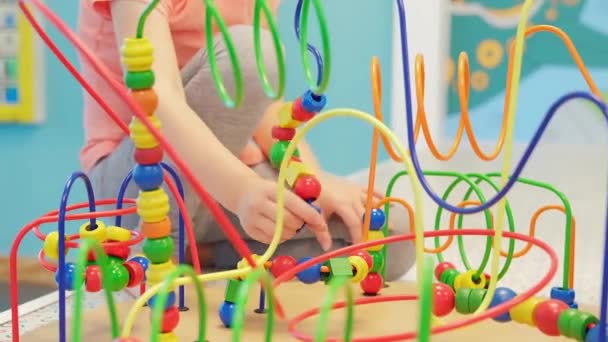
column 369, row 320
column 29, row 271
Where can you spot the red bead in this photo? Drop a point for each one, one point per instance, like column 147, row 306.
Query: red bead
column 169, row 320
column 367, row 257
column 282, row 264
column 93, row 278
column 299, row 113
column 546, row 314
column 148, row 156
column 307, row 187
column 284, row 134
column 443, row 299
column 121, row 251
column 136, row 273
column 372, row 284
column 442, row 267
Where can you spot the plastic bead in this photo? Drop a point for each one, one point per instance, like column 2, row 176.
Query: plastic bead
column 299, row 113
column 157, row 273
column 148, row 156
column 93, row 278
column 51, row 246
column 114, row 233
column 168, row 337
column 121, row 251
column 232, row 290
column 307, row 188
column 573, row 323
column 310, row 275
column 156, row 230
column 522, row 313
column 359, row 267
column 372, row 284
column 339, row 267
column 159, row 250
column 449, row 276
column 565, row 295
column 377, row 219
column 313, row 103
column 153, row 206
column 98, row 233
column 143, row 261
column 137, row 54
column 282, row 133
column 462, row 300
column 277, row 153
column 136, row 273
column 296, row 170
column 476, row 296
column 69, row 276
column 147, row 99
column 171, row 298
column 441, row 267
column 367, row 257
column 285, row 118
column 227, row 313
column 142, row 138
column 502, row 295
column 546, row 314
column 119, row 277
column 169, row 319
column 443, row 299
column 148, row 177
column 593, row 335
column 458, row 282
column 140, row 80
column 378, row 261
column 373, row 235
column 282, row 264
column 469, row 281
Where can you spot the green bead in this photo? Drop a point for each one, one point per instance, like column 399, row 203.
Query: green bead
column 139, row 80
column 462, row 300
column 579, row 323
column 563, row 322
column 277, row 153
column 475, row 298
column 448, row 277
column 119, row 277
column 339, row 267
column 377, row 261
column 115, row 261
column 232, row 290
column 158, row 251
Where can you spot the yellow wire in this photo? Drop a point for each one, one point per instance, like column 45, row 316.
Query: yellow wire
column 379, row 125
column 506, row 164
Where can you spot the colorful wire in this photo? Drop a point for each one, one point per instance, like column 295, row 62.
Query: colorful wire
column 258, row 275
column 304, row 46
column 262, row 5
column 311, row 48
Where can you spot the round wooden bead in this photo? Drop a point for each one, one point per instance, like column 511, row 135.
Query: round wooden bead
column 372, row 284
column 136, row 273
column 458, row 282
column 139, row 80
column 502, row 295
column 120, row 251
column 114, row 233
column 307, row 187
column 476, row 296
column 159, row 250
column 310, row 275
column 373, row 235
column 546, row 314
column 522, row 313
column 97, row 233
column 282, row 264
column 367, row 257
column 377, row 219
column 443, row 299
column 119, row 277
column 469, row 280
column 226, row 313
column 299, row 113
column 93, row 278
column 148, row 156
column 148, row 177
column 282, row 133
column 143, row 261
column 277, row 153
column 449, row 276
column 69, row 276
column 147, row 99
column 441, row 267
column 360, row 267
column 169, row 320
column 140, row 135
column 462, row 300
column 156, row 230
column 51, row 246
column 153, row 206
column 377, row 261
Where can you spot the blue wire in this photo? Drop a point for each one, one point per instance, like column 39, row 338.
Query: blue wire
column 519, row 168
column 311, row 48
column 61, row 248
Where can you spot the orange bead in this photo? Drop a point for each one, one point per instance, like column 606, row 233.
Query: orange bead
column 156, row 230
column 147, row 99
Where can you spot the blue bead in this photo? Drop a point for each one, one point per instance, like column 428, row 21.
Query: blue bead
column 593, row 335
column 502, row 295
column 377, row 219
column 69, row 272
column 148, row 177
column 169, row 303
column 227, row 313
column 313, row 103
column 144, row 262
column 565, row 295
column 310, row 275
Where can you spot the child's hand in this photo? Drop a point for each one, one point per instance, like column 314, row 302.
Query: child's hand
column 257, row 212
column 347, row 200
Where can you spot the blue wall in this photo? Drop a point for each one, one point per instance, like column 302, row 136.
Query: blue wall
column 36, row 161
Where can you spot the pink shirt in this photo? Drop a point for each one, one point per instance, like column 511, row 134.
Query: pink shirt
column 186, row 20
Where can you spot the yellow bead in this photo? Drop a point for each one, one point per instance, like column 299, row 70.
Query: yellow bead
column 285, row 119
column 459, row 281
column 137, row 54
column 167, row 337
column 153, row 206
column 115, row 233
column 360, row 266
column 157, row 273
column 98, row 234
column 142, row 138
column 295, row 169
column 523, row 313
column 375, row 235
column 469, row 283
column 51, row 246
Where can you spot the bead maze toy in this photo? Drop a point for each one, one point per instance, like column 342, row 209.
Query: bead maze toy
column 104, row 257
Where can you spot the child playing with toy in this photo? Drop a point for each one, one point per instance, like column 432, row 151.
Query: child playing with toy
column 226, row 148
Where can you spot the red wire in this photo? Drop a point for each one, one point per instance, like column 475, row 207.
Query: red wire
column 218, row 213
column 494, row 311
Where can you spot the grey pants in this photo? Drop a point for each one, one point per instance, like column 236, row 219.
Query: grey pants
column 234, row 128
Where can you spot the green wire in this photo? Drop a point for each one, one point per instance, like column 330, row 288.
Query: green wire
column 161, row 299
column 334, row 284
column 239, row 311
column 211, row 15
column 262, row 5
column 426, row 302
column 141, row 23
column 312, row 82
column 102, row 260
